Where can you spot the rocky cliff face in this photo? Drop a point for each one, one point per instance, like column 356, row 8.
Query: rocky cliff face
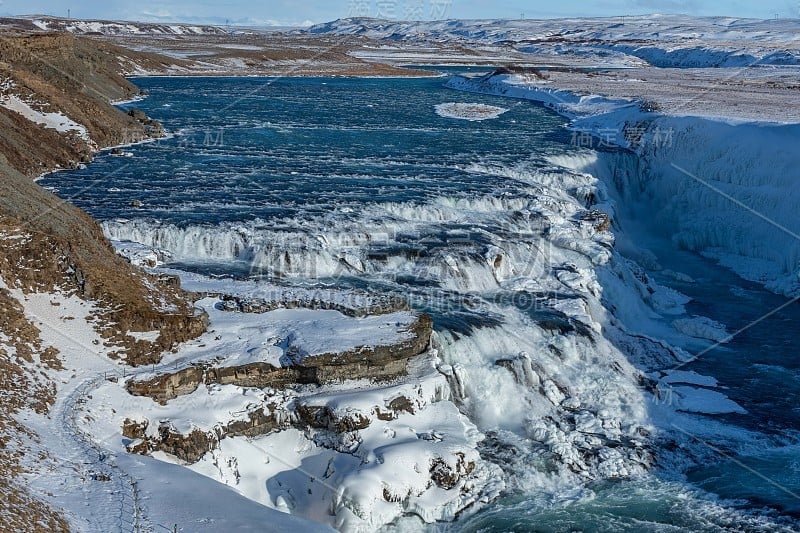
column 48, row 245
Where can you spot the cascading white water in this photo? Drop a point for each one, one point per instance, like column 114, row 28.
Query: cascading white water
column 545, row 372
column 388, row 238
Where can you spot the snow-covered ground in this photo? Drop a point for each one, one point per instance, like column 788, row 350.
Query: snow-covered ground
column 52, row 120
column 106, row 27
column 337, row 478
column 99, row 488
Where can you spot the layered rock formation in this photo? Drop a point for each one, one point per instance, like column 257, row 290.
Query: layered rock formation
column 380, row 362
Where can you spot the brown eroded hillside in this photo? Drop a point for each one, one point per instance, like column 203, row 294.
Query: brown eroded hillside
column 48, row 245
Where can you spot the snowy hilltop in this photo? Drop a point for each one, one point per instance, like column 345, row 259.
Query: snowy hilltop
column 659, row 40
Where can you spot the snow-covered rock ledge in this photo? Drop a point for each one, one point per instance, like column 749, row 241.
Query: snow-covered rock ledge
column 353, row 454
column 725, row 188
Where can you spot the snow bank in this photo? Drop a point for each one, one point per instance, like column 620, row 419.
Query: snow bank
column 101, row 487
column 174, row 495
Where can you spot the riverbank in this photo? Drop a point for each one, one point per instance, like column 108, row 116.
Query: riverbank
column 55, row 114
column 586, row 383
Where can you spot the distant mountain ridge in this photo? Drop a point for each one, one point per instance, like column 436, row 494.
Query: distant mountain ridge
column 110, row 27
column 667, row 41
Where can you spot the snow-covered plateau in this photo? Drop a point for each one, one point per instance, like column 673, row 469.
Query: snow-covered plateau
column 658, row 40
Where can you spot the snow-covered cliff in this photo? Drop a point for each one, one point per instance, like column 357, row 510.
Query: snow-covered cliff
column 726, row 189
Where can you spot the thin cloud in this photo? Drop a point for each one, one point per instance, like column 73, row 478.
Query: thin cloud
column 685, row 6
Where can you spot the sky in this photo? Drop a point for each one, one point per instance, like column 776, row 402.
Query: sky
column 297, row 12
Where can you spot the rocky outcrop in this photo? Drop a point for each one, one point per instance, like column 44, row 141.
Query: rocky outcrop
column 152, row 128
column 372, row 306
column 365, row 362
column 190, row 447
column 331, row 428
column 598, row 219
column 166, row 387
column 446, row 476
column 323, row 417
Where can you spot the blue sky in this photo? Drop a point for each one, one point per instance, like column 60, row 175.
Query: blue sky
column 307, row 11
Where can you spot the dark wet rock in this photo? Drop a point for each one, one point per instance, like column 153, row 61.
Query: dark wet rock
column 557, row 322
column 447, row 477
column 373, row 306
column 598, row 219
column 521, row 367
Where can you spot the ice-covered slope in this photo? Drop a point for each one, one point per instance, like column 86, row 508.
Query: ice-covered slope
column 662, row 40
column 726, row 189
